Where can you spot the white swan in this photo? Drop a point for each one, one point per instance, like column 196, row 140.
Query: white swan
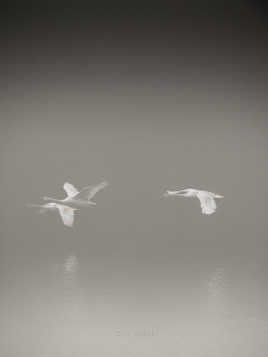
column 79, row 198
column 66, row 212
column 207, row 199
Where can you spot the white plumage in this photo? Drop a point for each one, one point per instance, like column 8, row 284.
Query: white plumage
column 80, row 198
column 66, row 212
column 70, row 189
column 74, row 198
column 206, row 198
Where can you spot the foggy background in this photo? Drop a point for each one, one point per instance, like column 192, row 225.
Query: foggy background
column 147, row 99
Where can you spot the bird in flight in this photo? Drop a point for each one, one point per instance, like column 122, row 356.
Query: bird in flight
column 66, row 212
column 73, row 201
column 80, row 198
column 207, row 199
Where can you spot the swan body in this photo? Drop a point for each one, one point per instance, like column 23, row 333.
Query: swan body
column 206, row 198
column 66, row 212
column 77, row 198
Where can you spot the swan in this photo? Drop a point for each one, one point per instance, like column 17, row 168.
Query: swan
column 66, row 212
column 79, row 198
column 207, row 199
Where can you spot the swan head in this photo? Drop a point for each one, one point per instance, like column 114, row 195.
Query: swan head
column 166, row 193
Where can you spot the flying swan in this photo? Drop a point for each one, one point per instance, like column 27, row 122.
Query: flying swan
column 79, row 198
column 207, row 199
column 74, row 200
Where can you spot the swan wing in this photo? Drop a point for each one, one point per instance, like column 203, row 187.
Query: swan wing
column 70, row 189
column 67, row 215
column 207, row 202
column 90, row 191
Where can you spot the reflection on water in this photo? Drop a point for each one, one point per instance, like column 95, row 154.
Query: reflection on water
column 71, row 265
column 194, row 317
column 70, row 269
column 217, row 292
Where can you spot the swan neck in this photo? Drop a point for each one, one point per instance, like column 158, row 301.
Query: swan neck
column 52, row 199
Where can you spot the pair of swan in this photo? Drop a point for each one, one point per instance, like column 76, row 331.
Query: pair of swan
column 72, row 202
column 76, row 199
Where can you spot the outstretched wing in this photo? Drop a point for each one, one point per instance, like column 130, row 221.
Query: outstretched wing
column 90, row 191
column 207, row 201
column 70, row 189
column 67, row 214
